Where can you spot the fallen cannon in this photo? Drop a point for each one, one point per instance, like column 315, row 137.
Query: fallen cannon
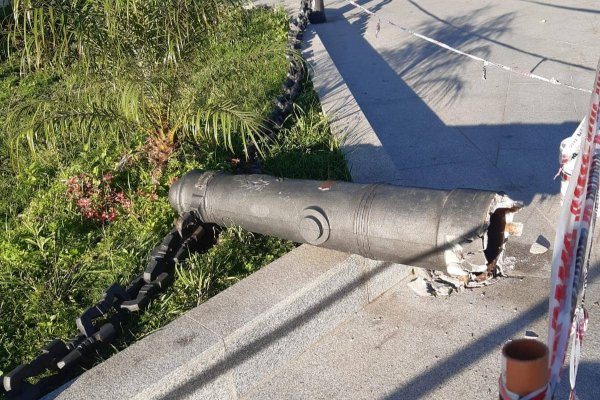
column 460, row 231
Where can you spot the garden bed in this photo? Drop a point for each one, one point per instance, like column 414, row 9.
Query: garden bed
column 88, row 156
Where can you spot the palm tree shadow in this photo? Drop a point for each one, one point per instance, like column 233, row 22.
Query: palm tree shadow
column 397, row 81
column 436, row 73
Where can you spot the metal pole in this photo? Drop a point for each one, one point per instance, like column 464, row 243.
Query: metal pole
column 317, row 15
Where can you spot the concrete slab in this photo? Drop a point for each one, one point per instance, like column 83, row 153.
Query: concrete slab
column 403, row 346
column 232, row 309
column 285, row 332
column 144, row 371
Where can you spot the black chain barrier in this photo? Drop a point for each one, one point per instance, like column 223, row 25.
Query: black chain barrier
column 292, row 86
column 101, row 323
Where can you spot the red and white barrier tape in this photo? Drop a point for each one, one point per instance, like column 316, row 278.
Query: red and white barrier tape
column 485, row 62
column 572, row 246
column 577, row 331
column 505, row 394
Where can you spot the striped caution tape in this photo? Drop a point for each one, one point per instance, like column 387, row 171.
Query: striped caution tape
column 485, row 62
column 505, row 394
column 572, row 247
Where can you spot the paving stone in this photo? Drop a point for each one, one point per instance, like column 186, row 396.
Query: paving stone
column 152, row 365
column 287, row 331
column 242, row 303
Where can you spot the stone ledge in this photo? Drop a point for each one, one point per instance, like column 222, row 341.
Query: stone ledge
column 226, row 346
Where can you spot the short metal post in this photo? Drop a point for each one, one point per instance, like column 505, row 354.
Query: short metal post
column 317, row 15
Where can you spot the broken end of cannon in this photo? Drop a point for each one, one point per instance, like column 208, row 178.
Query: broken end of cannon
column 477, row 256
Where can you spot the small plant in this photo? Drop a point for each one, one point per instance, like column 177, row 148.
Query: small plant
column 97, row 199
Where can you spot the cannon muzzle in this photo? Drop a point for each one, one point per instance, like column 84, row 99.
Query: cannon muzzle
column 462, row 231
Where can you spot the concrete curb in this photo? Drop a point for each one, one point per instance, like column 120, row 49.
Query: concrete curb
column 228, row 345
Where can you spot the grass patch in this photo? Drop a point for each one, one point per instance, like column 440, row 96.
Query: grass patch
column 86, row 160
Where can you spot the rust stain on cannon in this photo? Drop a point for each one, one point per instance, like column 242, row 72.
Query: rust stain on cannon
column 326, row 185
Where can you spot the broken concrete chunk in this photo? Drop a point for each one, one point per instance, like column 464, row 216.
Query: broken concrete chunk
column 514, row 228
column 419, row 286
column 475, row 284
column 441, row 289
column 422, row 273
column 455, row 283
column 537, row 248
column 455, row 269
column 505, row 265
column 435, row 283
column 540, row 246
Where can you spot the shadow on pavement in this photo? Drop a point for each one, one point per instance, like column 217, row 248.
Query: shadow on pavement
column 422, row 384
column 473, row 32
column 419, row 386
column 579, row 9
column 519, row 158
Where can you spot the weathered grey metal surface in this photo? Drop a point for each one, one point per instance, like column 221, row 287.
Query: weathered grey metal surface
column 413, row 226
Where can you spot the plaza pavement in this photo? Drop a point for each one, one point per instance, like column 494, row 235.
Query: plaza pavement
column 438, row 124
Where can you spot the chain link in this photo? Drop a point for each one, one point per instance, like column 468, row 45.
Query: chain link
column 60, row 358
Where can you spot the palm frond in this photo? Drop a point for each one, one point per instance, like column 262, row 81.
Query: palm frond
column 221, row 121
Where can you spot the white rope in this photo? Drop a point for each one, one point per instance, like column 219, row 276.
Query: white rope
column 485, row 62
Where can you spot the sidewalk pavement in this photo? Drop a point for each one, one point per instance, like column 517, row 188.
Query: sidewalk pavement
column 438, row 124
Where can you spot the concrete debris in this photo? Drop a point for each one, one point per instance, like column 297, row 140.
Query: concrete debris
column 440, row 289
column 454, row 282
column 420, row 286
column 531, row 334
column 476, row 260
column 456, row 270
column 537, row 248
column 421, row 272
column 540, row 246
column 475, row 284
column 514, row 228
column 505, row 264
column 435, row 283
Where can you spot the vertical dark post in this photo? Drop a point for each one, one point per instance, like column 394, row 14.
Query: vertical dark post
column 317, row 15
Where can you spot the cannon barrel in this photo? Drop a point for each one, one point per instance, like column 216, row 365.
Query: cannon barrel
column 462, row 230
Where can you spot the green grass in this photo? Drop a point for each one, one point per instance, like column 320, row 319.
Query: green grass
column 55, row 262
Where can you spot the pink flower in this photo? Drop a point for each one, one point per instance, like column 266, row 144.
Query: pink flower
column 84, row 202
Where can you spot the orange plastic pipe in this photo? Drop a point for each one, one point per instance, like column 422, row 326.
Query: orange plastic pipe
column 524, row 366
